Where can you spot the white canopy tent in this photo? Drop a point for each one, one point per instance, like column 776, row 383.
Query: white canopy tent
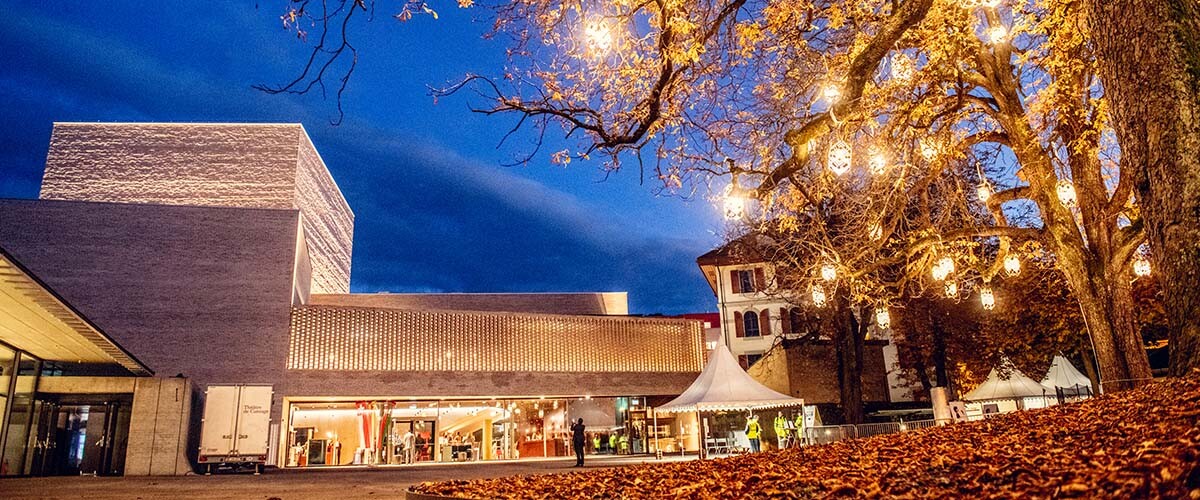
column 725, row 386
column 1016, row 386
column 1062, row 374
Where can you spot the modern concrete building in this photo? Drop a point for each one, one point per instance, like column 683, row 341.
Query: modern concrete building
column 211, row 254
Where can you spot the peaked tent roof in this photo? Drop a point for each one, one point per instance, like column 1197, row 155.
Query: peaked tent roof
column 1063, row 374
column 725, row 386
column 1015, row 387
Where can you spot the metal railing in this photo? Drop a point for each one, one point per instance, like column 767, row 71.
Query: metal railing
column 822, row 434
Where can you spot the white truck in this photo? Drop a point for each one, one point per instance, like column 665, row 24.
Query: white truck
column 235, row 431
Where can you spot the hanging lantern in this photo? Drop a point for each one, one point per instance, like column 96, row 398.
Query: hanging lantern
column 951, row 290
column 875, row 231
column 735, row 202
column 983, row 191
column 1141, row 266
column 839, row 157
column 902, row 66
column 987, row 298
column 997, row 35
column 943, row 268
column 1012, row 264
column 829, row 272
column 832, row 92
column 599, row 36
column 878, row 162
column 883, row 318
column 1066, row 193
column 818, row 295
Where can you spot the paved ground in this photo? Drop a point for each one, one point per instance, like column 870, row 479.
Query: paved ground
column 314, row 484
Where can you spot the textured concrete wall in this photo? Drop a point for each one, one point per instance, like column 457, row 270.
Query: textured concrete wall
column 195, row 290
column 160, row 428
column 227, row 165
column 608, row 303
column 372, row 385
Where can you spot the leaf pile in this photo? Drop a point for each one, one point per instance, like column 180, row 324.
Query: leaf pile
column 1136, row 444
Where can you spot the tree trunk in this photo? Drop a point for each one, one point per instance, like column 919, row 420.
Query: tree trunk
column 1089, row 366
column 1149, row 63
column 1107, row 307
column 939, row 355
column 849, row 348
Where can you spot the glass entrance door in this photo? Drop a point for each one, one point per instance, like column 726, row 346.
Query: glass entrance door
column 74, row 439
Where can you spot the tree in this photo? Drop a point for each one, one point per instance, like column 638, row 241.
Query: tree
column 992, row 102
column 1149, row 61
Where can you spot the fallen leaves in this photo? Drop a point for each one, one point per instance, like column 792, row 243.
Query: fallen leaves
column 1135, row 444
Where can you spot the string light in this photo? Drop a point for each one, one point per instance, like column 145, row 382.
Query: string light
column 818, row 295
column 902, row 66
column 951, row 290
column 1066, row 193
column 1012, row 264
column 1141, row 266
column 839, row 157
column 987, row 298
column 983, row 191
column 883, row 318
column 943, row 268
column 997, row 35
column 878, row 162
column 829, row 272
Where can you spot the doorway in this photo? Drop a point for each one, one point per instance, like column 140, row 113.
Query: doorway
column 80, row 438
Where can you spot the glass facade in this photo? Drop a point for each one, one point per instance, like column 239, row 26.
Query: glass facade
column 398, row 432
column 19, row 375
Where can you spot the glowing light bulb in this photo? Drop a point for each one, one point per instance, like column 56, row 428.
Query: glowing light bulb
column 1066, row 193
column 997, row 35
column 943, row 268
column 818, row 295
column 1141, row 266
column 987, row 298
column 902, row 66
column 829, row 272
column 951, row 290
column 599, row 36
column 983, row 191
column 832, row 92
column 735, row 207
column 883, row 318
column 878, row 162
column 1012, row 265
column 839, row 157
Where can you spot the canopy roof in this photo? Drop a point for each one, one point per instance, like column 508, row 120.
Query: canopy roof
column 725, row 386
column 1016, row 386
column 1063, row 374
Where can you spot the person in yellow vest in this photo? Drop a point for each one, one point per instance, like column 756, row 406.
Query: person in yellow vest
column 781, row 431
column 801, row 438
column 753, row 430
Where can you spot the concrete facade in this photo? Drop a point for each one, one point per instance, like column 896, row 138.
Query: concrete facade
column 216, row 165
column 161, row 441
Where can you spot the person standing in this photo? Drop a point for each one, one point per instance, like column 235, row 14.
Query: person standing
column 781, row 431
column 409, row 445
column 578, row 440
column 753, row 430
column 801, row 436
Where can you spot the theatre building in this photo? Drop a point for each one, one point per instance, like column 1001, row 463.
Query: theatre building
column 160, row 259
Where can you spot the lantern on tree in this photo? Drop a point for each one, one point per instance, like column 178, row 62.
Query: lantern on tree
column 883, row 318
column 983, row 191
column 951, row 290
column 1066, row 193
column 878, row 162
column 839, row 158
column 997, row 35
column 1012, row 264
column 818, row 295
column 875, row 231
column 987, row 298
column 1141, row 266
column 736, row 198
column 902, row 66
column 829, row 271
column 943, row 268
column 929, row 150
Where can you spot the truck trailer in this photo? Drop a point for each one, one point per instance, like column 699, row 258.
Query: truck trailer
column 235, row 432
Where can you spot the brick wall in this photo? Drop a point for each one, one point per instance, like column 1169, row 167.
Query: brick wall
column 615, row 303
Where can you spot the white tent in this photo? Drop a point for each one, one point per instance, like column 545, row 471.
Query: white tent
column 1017, row 386
column 1062, row 374
column 725, row 386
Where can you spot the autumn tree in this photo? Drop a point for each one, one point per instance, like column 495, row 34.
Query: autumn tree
column 920, row 135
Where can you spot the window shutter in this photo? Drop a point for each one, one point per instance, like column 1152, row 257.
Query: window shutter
column 738, row 327
column 764, row 322
column 785, row 321
column 760, row 279
column 736, row 281
column 744, row 361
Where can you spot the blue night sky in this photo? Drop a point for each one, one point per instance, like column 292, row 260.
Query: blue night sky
column 435, row 209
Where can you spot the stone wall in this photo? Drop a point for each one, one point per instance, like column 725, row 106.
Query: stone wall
column 808, row 370
column 196, row 164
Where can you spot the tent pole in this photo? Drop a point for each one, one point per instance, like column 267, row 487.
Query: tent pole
column 700, row 433
column 654, row 433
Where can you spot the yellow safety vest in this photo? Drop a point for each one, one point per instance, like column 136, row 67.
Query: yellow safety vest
column 752, row 430
column 780, row 425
